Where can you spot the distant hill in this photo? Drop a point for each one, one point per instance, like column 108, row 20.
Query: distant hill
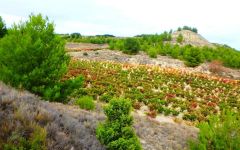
column 192, row 38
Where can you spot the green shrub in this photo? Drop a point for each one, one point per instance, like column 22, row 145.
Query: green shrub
column 86, row 102
column 3, row 28
column 190, row 117
column 180, row 38
column 144, row 47
column 75, row 35
column 117, row 132
column 111, row 45
column 106, row 97
column 131, row 46
column 219, row 133
column 193, row 56
column 32, row 56
column 60, row 90
column 175, row 52
column 188, row 28
column 152, row 52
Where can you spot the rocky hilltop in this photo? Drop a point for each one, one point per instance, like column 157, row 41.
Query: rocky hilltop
column 190, row 37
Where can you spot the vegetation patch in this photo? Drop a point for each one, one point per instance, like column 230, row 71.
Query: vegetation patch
column 3, row 28
column 160, row 44
column 85, row 102
column 220, row 132
column 117, row 132
column 33, row 57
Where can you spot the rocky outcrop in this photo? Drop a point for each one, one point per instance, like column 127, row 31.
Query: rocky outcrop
column 191, row 38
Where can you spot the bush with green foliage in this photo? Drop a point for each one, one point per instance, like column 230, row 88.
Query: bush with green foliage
column 99, row 39
column 219, row 133
column 105, row 35
column 75, row 35
column 152, row 52
column 60, row 91
column 117, row 132
column 3, row 28
column 131, row 46
column 116, row 44
column 32, row 56
column 180, row 38
column 192, row 56
column 85, row 102
column 188, row 28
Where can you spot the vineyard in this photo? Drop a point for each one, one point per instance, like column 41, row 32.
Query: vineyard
column 187, row 95
column 173, row 90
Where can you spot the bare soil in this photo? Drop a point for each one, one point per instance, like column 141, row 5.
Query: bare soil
column 85, row 46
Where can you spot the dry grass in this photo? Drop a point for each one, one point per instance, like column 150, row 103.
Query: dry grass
column 68, row 127
column 216, row 67
column 65, row 129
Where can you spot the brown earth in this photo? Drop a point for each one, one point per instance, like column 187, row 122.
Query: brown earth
column 85, row 46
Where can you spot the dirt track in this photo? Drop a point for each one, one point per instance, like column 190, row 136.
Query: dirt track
column 85, row 46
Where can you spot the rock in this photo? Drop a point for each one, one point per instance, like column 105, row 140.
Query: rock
column 190, row 37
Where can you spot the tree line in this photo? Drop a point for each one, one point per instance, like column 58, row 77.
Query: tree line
column 160, row 44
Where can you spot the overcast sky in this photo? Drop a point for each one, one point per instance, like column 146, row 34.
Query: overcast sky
column 216, row 20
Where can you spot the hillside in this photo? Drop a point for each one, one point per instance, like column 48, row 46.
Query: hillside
column 143, row 92
column 69, row 127
column 185, row 45
column 97, row 52
column 191, row 38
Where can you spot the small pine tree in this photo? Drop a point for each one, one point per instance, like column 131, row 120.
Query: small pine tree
column 32, row 56
column 3, row 28
column 180, row 38
column 152, row 52
column 117, row 132
column 193, row 56
column 131, row 46
column 75, row 35
column 195, row 30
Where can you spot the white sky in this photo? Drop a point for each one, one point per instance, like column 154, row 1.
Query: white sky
column 217, row 20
